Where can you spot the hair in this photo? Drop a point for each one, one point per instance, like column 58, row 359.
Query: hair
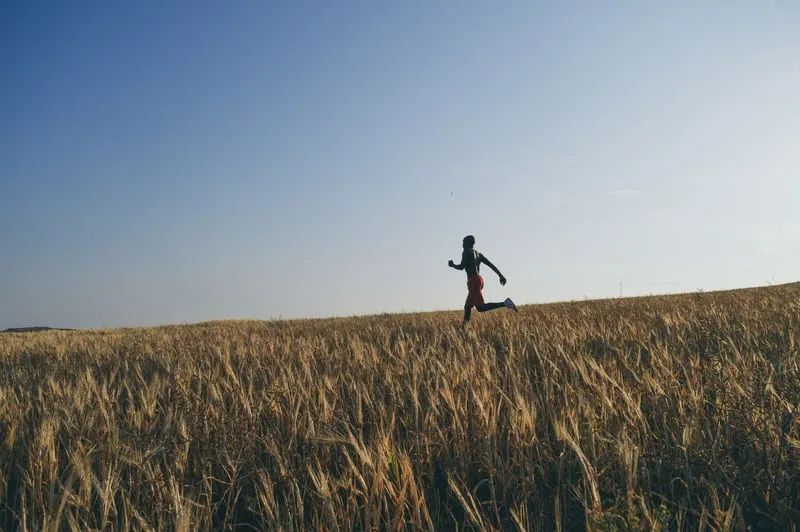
column 469, row 241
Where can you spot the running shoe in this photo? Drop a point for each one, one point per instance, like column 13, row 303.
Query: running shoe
column 510, row 304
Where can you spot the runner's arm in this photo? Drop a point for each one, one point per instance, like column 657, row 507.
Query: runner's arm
column 464, row 258
column 494, row 268
column 456, row 266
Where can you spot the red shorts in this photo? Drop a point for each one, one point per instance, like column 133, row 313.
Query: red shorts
column 475, row 285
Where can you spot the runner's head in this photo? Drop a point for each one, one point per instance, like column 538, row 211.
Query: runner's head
column 468, row 242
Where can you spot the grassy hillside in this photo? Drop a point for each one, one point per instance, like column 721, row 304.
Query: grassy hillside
column 666, row 412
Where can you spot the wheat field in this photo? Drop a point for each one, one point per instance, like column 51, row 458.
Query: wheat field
column 672, row 413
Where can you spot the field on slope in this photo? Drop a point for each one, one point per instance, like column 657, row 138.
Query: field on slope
column 665, row 412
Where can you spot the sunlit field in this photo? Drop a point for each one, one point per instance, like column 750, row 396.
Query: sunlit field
column 665, row 413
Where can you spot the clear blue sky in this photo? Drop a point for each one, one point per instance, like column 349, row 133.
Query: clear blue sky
column 177, row 162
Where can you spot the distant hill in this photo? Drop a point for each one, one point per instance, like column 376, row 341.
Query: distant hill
column 33, row 329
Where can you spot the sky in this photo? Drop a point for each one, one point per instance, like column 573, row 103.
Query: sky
column 189, row 161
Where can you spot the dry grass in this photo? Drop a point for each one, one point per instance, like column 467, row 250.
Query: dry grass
column 668, row 412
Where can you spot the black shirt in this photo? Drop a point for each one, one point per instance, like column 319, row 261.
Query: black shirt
column 471, row 259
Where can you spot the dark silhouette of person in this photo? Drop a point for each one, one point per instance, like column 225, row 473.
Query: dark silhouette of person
column 471, row 260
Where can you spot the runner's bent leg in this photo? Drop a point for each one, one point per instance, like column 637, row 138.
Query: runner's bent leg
column 489, row 306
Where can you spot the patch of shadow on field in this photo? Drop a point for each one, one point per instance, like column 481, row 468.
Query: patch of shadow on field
column 600, row 348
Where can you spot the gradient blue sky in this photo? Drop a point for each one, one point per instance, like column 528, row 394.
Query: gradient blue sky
column 177, row 162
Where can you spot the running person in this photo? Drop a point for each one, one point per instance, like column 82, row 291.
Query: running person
column 471, row 261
